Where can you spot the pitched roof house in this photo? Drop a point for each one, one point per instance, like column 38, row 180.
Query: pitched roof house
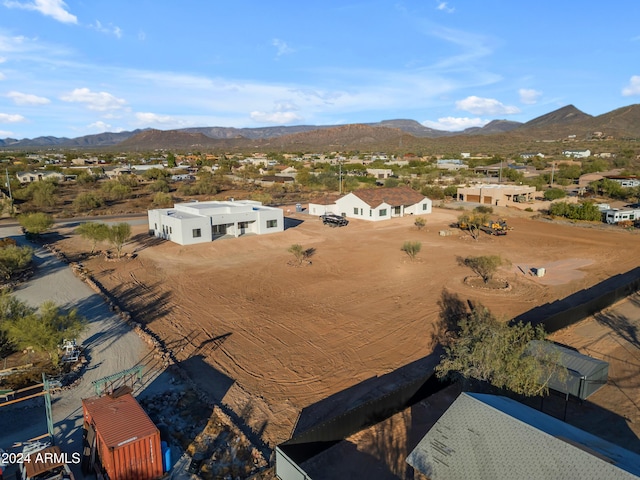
column 492, row 437
column 377, row 204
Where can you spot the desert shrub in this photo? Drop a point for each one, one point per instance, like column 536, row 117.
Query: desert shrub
column 420, row 223
column 14, row 259
column 483, row 209
column 115, row 190
column 159, row 185
column 162, row 199
column 411, row 249
column 87, row 201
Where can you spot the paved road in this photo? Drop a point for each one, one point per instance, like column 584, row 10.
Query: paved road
column 110, row 344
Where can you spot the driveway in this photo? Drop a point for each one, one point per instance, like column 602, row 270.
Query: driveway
column 110, row 344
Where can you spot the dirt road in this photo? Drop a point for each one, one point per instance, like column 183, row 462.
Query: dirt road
column 111, row 346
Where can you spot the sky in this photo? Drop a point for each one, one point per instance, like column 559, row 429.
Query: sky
column 73, row 68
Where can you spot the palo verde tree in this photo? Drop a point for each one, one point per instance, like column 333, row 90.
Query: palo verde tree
column 484, row 266
column 118, row 235
column 42, row 329
column 35, row 223
column 94, row 232
column 472, row 223
column 481, row 348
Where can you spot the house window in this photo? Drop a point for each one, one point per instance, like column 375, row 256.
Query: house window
column 355, row 210
column 272, row 223
column 170, row 229
column 424, row 206
column 197, row 233
column 370, row 212
column 383, row 212
column 155, row 226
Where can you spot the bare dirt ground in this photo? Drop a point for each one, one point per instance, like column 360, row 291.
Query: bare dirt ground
column 269, row 339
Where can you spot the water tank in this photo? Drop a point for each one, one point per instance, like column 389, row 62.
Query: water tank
column 540, row 272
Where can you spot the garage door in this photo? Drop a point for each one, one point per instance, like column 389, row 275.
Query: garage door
column 473, row 198
column 488, row 200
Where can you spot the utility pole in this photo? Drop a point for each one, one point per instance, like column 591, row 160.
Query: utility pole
column 340, row 177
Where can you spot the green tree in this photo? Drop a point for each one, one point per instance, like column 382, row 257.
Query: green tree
column 171, row 160
column 44, row 329
column 156, row 174
column 484, row 266
column 94, row 232
column 411, row 249
column 554, row 194
column 483, row 349
column 14, row 259
column 118, row 235
column 35, row 223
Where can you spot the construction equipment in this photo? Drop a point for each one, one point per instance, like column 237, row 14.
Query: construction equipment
column 495, row 227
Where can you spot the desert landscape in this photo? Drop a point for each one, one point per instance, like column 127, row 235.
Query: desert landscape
column 269, row 337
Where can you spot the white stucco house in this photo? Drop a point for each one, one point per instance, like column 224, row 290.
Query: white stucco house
column 376, row 204
column 200, row 222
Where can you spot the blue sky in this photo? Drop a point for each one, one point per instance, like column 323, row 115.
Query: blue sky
column 73, row 68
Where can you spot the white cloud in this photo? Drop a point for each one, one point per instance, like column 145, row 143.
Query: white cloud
column 444, row 7
column 283, row 48
column 485, row 106
column 110, row 29
column 5, row 133
column 529, row 96
column 8, row 118
column 27, row 99
column 55, row 9
column 455, row 123
column 100, row 126
column 3, row 59
column 2, row 76
column 278, row 118
column 100, row 101
column 147, row 118
column 633, row 88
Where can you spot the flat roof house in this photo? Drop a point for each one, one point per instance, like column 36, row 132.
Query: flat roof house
column 200, row 222
column 376, row 204
column 499, row 194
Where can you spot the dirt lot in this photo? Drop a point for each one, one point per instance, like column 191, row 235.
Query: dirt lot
column 275, row 338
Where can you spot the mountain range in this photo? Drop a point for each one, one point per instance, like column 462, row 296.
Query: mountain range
column 566, row 121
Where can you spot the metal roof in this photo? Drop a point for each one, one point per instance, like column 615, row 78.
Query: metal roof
column 118, row 420
column 570, row 359
column 492, row 437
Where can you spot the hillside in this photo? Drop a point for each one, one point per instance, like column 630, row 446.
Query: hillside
column 403, row 134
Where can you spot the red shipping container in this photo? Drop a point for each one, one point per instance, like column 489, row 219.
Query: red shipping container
column 127, row 443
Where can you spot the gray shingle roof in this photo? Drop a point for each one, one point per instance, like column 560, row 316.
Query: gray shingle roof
column 493, row 438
